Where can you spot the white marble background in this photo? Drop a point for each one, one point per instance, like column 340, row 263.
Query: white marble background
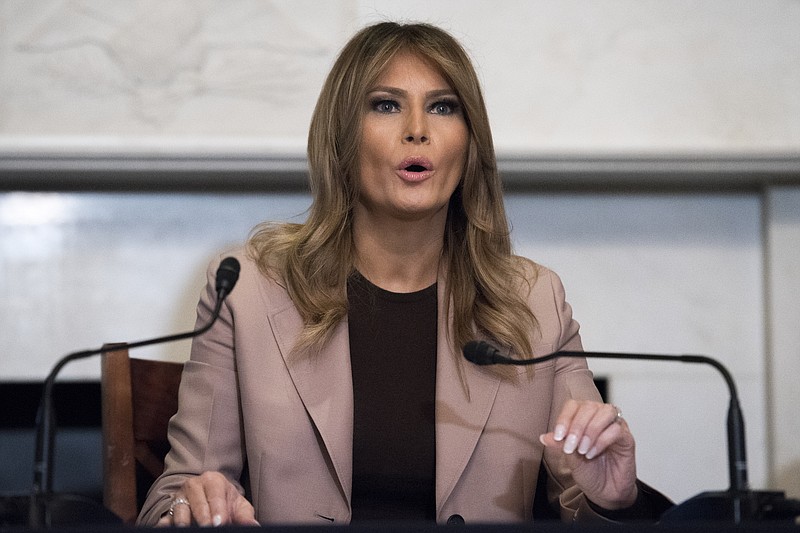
column 701, row 272
column 150, row 76
column 239, row 75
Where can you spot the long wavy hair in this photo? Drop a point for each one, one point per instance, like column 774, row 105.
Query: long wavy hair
column 485, row 284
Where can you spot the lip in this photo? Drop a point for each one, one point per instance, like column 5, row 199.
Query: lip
column 411, row 175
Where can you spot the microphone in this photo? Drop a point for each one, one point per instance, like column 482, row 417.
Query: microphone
column 227, row 276
column 738, row 503
column 39, row 513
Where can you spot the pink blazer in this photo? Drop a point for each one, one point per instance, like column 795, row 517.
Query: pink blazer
column 248, row 408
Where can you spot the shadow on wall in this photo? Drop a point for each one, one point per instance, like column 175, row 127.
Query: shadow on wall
column 78, row 465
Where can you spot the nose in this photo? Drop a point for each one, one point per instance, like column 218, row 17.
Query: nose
column 416, row 128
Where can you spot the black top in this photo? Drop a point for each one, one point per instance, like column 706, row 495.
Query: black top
column 393, row 357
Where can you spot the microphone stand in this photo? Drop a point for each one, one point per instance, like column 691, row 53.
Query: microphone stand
column 739, row 503
column 42, row 494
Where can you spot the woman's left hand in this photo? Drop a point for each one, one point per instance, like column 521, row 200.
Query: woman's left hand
column 599, row 448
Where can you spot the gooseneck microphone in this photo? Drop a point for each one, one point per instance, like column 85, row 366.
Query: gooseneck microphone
column 738, row 503
column 226, row 276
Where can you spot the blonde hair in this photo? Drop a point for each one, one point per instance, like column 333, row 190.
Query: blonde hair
column 484, row 283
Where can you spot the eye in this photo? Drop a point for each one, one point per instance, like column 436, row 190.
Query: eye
column 445, row 107
column 385, row 106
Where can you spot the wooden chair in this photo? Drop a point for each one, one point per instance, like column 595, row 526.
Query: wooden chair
column 138, row 398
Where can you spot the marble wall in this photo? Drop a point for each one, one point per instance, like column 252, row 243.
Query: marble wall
column 241, row 77
column 126, row 86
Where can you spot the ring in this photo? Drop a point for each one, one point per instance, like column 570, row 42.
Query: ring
column 619, row 413
column 176, row 502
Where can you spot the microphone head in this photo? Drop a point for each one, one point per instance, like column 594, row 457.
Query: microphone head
column 480, row 353
column 227, row 275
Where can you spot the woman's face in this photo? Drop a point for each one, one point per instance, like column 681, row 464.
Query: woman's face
column 414, row 142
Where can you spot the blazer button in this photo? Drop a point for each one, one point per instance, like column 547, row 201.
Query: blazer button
column 455, row 520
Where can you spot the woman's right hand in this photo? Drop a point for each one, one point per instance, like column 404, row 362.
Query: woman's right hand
column 209, row 500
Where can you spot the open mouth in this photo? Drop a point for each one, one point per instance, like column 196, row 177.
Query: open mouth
column 415, row 168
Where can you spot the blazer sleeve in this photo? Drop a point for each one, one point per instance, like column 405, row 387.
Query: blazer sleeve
column 574, row 380
column 206, row 432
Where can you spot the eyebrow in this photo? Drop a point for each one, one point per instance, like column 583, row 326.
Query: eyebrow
column 402, row 93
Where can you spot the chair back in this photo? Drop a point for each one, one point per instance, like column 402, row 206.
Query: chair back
column 139, row 396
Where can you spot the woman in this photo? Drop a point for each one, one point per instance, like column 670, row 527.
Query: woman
column 333, row 387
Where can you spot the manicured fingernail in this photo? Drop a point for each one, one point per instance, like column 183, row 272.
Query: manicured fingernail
column 571, row 443
column 217, row 520
column 583, row 447
column 591, row 454
column 559, row 432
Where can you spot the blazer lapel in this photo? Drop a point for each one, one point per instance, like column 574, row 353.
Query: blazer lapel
column 462, row 408
column 324, row 383
column 464, row 397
